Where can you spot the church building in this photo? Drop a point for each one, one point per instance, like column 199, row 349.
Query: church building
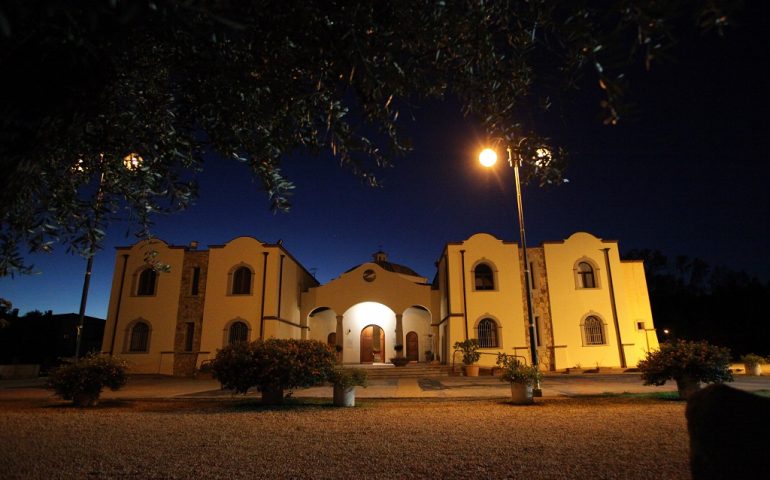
column 591, row 309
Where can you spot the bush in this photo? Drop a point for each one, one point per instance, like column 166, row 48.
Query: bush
column 685, row 359
column 751, row 360
column 87, row 377
column 469, row 348
column 514, row 371
column 349, row 377
column 273, row 365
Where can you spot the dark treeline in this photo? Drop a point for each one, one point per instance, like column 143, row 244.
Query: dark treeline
column 695, row 301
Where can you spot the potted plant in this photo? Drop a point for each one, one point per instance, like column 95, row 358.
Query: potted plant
column 345, row 381
column 471, row 355
column 521, row 377
column 399, row 360
column 688, row 363
column 753, row 364
column 428, row 356
column 83, row 380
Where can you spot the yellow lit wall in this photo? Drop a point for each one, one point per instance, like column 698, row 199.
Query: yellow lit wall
column 159, row 311
column 503, row 304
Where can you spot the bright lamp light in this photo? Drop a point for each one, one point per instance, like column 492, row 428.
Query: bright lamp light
column 488, row 157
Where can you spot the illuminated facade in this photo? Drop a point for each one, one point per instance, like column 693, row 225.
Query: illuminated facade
column 591, row 308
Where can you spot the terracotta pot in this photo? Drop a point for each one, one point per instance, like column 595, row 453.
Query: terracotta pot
column 687, row 386
column 344, row 397
column 471, row 370
column 521, row 394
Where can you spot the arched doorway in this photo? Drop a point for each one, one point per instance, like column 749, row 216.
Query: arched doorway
column 412, row 347
column 372, row 344
column 331, row 339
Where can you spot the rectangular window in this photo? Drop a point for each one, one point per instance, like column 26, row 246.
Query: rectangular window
column 196, row 278
column 640, row 325
column 189, row 335
column 537, row 330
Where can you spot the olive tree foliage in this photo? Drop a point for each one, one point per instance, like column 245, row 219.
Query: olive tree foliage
column 87, row 83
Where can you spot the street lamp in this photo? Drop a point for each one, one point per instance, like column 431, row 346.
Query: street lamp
column 132, row 161
column 488, row 158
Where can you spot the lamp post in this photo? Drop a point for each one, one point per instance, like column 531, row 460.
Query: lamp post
column 488, row 158
column 131, row 161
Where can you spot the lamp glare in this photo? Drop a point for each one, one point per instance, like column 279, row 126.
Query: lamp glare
column 488, row 157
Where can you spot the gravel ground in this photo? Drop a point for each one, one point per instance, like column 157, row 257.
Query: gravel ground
column 591, row 437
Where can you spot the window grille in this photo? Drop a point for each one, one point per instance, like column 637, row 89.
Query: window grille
column 239, row 332
column 594, row 331
column 140, row 336
column 487, row 333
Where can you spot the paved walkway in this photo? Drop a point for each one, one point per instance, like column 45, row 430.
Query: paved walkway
column 553, row 385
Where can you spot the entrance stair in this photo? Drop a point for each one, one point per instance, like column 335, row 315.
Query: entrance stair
column 411, row 370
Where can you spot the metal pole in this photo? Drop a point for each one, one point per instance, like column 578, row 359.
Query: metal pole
column 87, row 279
column 537, row 391
column 83, row 300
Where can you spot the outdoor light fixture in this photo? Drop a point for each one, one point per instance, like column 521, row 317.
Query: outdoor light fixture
column 488, row 157
column 132, row 161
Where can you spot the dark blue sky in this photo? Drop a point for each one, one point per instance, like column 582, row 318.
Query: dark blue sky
column 687, row 175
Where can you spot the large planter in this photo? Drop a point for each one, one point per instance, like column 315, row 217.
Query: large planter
column 344, row 397
column 687, row 386
column 754, row 369
column 272, row 396
column 399, row 361
column 521, row 394
column 471, row 370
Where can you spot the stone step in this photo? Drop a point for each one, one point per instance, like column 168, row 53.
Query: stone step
column 412, row 370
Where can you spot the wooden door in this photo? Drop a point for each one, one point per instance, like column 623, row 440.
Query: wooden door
column 366, row 345
column 372, row 344
column 412, row 347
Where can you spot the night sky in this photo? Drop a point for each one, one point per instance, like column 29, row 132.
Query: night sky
column 687, row 174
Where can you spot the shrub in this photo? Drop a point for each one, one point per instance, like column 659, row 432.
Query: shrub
column 273, row 364
column 349, row 377
column 83, row 381
column 685, row 359
column 235, row 368
column 514, row 371
column 469, row 348
column 751, row 360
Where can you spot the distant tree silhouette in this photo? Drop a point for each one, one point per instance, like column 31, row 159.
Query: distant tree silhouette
column 695, row 301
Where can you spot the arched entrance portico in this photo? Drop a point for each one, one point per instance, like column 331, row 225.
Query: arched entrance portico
column 372, row 344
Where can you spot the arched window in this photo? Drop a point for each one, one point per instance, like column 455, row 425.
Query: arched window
column 140, row 337
column 485, row 278
column 147, row 282
column 487, row 333
column 593, row 331
column 239, row 332
column 585, row 274
column 242, row 281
